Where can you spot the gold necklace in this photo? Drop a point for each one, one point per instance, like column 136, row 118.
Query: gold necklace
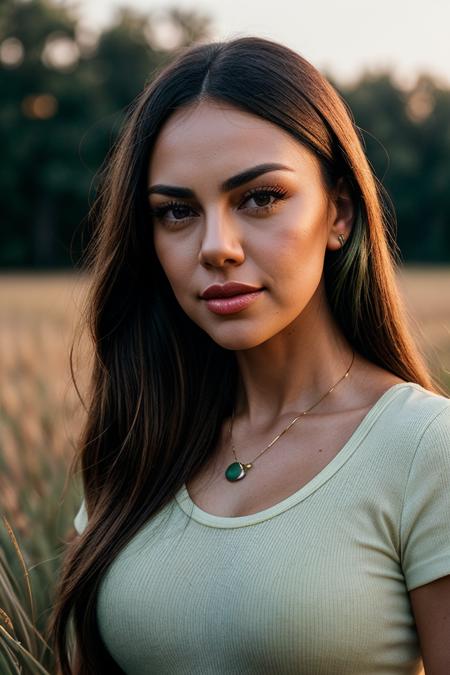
column 237, row 470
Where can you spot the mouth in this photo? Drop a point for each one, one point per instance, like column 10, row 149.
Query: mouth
column 227, row 290
column 234, row 303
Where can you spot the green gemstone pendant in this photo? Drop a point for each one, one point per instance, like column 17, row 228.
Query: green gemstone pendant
column 236, row 471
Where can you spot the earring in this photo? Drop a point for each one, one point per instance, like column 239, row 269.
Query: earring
column 341, row 239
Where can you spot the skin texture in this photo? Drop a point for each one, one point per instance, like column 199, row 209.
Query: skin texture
column 431, row 608
column 289, row 348
column 288, row 345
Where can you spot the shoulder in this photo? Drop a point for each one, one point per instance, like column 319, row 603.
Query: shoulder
column 434, row 440
column 403, row 402
column 419, row 410
column 425, row 522
column 425, row 419
column 409, row 421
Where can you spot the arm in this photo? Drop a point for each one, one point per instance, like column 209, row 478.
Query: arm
column 425, row 543
column 431, row 608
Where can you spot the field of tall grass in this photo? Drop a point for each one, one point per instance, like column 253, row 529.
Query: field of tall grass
column 41, row 415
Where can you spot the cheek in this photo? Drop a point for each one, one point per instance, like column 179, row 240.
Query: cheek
column 287, row 249
column 175, row 266
column 164, row 253
column 165, row 259
column 301, row 237
column 295, row 260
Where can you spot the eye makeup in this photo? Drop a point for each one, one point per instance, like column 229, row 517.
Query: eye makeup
column 277, row 192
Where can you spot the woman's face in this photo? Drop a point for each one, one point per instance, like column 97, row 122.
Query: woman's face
column 271, row 231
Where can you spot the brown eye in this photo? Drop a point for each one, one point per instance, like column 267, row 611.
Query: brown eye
column 180, row 211
column 262, row 196
column 265, row 194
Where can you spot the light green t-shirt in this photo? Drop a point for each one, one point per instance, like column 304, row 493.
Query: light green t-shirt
column 314, row 585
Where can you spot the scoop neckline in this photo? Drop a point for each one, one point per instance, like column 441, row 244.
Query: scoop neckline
column 191, row 509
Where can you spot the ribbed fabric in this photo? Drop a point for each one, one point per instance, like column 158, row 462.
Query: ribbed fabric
column 314, row 585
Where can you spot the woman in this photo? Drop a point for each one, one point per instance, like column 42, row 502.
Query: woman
column 266, row 477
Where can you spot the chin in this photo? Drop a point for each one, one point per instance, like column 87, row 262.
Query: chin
column 236, row 339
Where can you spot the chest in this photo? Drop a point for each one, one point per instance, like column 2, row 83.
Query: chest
column 291, row 463
column 301, row 593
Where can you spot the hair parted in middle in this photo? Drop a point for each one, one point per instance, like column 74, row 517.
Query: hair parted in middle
column 160, row 386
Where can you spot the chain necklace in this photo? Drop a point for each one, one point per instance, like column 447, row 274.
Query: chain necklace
column 237, row 470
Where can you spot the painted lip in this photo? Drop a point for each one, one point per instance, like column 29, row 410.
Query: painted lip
column 231, row 288
column 233, row 304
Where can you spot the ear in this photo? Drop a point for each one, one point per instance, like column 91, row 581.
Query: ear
column 344, row 213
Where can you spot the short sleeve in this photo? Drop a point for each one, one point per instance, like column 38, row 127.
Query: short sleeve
column 425, row 522
column 80, row 520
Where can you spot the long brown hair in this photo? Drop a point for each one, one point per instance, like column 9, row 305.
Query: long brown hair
column 160, row 386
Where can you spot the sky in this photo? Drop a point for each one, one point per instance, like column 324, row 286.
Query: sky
column 343, row 37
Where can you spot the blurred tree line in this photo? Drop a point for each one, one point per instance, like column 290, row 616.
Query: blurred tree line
column 64, row 92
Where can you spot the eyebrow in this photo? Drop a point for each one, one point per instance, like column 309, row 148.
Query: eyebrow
column 228, row 185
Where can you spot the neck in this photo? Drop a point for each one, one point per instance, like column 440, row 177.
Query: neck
column 292, row 371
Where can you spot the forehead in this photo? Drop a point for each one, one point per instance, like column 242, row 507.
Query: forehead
column 222, row 138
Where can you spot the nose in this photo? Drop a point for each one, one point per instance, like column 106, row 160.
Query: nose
column 221, row 241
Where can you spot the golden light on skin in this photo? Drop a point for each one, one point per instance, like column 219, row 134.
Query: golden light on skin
column 282, row 250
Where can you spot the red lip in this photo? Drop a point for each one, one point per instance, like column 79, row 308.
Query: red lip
column 227, row 290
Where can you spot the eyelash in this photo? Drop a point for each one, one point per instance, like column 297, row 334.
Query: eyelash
column 276, row 191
